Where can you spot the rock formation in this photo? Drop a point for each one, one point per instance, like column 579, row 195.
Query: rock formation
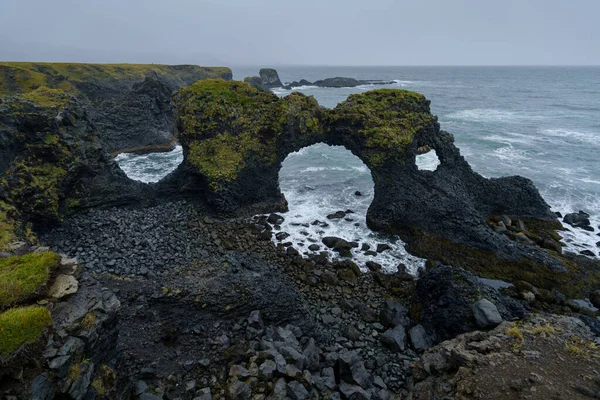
column 235, row 138
column 269, row 78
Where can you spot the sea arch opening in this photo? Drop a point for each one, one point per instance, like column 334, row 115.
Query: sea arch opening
column 150, row 167
column 329, row 190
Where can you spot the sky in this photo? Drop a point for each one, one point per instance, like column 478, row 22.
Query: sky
column 303, row 32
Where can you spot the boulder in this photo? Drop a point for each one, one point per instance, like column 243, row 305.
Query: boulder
column 419, row 338
column 577, row 220
column 350, row 368
column 446, row 297
column 394, row 339
column 486, row 314
column 64, row 285
column 394, row 314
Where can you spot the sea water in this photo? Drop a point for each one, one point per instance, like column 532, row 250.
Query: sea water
column 542, row 123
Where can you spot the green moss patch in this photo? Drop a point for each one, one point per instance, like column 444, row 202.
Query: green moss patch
column 386, row 120
column 226, row 123
column 20, row 326
column 21, row 277
column 46, row 97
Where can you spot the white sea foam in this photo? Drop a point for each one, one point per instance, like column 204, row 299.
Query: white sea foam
column 567, row 135
column 150, row 167
column 509, row 153
column 428, row 161
column 491, row 115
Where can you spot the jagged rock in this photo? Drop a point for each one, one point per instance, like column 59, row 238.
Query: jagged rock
column 577, row 220
column 354, row 392
column 269, row 78
column 255, row 321
column 64, row 285
column 595, row 298
column 446, row 294
column 394, row 339
column 419, row 338
column 393, row 314
column 42, row 388
column 275, row 219
column 350, row 368
column 297, row 391
column 238, row 390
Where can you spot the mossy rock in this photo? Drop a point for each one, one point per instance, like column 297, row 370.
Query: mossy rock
column 386, row 121
column 24, row 277
column 20, row 327
column 226, row 123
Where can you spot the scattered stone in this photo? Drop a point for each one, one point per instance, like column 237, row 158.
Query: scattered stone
column 588, row 253
column 350, row 368
column 577, row 220
column 357, row 193
column 394, row 314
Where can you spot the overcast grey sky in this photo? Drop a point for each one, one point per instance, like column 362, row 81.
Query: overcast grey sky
column 315, row 32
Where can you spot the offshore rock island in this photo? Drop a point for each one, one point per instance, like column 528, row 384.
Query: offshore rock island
column 112, row 288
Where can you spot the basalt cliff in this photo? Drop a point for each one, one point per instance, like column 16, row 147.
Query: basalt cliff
column 179, row 292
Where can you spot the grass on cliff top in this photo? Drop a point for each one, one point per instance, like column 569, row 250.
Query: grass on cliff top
column 23, row 276
column 46, row 97
column 22, row 77
column 22, row 325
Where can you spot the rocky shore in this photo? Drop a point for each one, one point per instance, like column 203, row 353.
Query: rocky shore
column 269, row 78
column 113, row 289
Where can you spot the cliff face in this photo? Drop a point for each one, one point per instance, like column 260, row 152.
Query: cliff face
column 51, row 161
column 129, row 104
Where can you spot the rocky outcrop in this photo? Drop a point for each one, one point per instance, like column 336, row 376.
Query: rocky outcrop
column 269, row 78
column 235, row 138
column 129, row 104
column 51, row 163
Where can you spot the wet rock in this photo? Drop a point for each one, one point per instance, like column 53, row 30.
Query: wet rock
column 336, row 215
column 588, row 253
column 282, row 236
column 373, row 266
column 383, row 247
column 314, row 247
column 577, row 220
column 486, row 314
column 394, row 339
column 275, row 219
column 357, row 193
column 336, row 243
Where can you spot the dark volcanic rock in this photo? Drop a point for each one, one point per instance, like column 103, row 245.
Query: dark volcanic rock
column 578, row 220
column 269, row 78
column 451, row 301
column 412, row 203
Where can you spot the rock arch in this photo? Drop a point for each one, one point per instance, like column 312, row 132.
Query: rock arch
column 235, row 137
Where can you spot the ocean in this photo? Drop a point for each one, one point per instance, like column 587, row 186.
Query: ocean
column 539, row 122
